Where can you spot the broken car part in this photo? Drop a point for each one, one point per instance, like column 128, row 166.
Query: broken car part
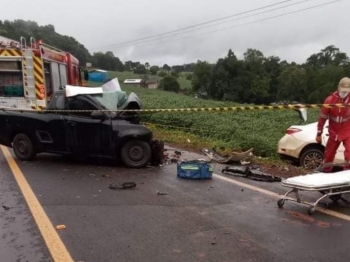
column 250, row 174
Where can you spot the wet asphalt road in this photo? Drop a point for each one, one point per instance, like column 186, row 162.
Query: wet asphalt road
column 196, row 221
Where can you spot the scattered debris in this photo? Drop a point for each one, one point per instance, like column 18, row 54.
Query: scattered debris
column 6, row 208
column 92, row 175
column 250, row 174
column 126, row 185
column 174, row 161
column 285, row 169
column 60, row 227
column 235, row 157
column 188, row 141
column 161, row 193
column 178, row 153
column 107, row 176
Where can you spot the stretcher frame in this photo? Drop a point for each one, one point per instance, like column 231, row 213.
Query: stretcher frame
column 334, row 192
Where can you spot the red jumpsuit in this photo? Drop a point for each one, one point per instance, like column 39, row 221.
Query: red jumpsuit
column 339, row 126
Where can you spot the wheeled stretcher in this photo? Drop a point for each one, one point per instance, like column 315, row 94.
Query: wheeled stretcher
column 331, row 185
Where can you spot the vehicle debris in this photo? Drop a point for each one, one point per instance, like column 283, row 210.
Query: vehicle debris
column 162, row 193
column 126, row 185
column 234, row 158
column 60, row 227
column 250, row 173
column 6, row 208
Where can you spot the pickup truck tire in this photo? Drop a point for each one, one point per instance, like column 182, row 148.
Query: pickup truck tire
column 136, row 153
column 23, row 147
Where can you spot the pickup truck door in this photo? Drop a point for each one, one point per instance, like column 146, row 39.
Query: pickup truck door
column 51, row 135
column 87, row 136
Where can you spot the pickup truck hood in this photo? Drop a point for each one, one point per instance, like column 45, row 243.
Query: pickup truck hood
column 124, row 128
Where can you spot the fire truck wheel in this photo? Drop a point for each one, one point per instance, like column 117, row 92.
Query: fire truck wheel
column 136, row 153
column 23, row 147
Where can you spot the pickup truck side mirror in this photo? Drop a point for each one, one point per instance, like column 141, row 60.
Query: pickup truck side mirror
column 98, row 115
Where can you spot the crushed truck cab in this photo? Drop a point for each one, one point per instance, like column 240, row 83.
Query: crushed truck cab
column 81, row 121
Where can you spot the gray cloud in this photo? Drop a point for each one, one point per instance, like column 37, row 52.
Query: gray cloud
column 107, row 22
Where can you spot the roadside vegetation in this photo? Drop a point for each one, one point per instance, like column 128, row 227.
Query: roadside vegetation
column 226, row 131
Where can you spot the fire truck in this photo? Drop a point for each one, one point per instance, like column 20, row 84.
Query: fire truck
column 31, row 74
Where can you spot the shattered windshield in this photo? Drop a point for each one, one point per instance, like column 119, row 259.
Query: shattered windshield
column 112, row 100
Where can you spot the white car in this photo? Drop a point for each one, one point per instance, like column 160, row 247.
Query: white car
column 300, row 146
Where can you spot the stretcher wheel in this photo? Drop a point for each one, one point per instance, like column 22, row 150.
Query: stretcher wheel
column 311, row 210
column 335, row 198
column 280, row 202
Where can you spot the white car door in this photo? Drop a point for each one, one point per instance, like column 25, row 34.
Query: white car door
column 339, row 157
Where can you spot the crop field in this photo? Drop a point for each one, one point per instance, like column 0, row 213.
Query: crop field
column 232, row 130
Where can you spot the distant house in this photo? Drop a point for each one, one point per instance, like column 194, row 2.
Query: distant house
column 134, row 82
column 152, row 84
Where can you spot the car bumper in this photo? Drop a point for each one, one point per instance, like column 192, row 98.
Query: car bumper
column 157, row 147
column 290, row 146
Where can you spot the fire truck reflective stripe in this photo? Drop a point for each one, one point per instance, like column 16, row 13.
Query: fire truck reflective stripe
column 38, row 69
column 39, row 78
column 10, row 52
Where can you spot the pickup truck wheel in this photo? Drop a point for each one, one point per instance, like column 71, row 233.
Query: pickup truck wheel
column 136, row 154
column 23, row 147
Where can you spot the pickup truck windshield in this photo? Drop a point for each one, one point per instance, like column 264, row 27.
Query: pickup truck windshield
column 111, row 100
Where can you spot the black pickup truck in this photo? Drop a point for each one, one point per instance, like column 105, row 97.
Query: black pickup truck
column 62, row 129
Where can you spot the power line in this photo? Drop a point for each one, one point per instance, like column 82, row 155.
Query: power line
column 200, row 24
column 245, row 24
column 222, row 22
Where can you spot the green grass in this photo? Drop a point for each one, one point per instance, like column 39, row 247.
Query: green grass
column 184, row 83
column 232, row 130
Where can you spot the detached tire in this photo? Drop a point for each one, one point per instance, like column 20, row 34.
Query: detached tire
column 136, row 153
column 312, row 158
column 23, row 147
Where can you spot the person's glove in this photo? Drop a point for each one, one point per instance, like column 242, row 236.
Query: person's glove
column 319, row 139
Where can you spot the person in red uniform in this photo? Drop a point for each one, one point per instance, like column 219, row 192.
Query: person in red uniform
column 339, row 124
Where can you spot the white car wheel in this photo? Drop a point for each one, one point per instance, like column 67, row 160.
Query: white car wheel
column 312, row 159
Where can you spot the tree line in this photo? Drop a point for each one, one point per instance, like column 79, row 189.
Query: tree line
column 253, row 79
column 107, row 61
column 262, row 80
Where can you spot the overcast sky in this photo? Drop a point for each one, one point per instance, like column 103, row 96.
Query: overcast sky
column 102, row 25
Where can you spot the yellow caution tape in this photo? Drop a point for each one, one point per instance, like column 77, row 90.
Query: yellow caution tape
column 208, row 109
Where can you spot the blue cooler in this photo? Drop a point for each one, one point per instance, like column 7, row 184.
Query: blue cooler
column 194, row 170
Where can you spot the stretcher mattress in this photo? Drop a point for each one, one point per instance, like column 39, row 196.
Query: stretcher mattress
column 320, row 180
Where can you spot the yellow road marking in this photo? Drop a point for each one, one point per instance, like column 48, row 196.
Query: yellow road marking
column 55, row 245
column 275, row 195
